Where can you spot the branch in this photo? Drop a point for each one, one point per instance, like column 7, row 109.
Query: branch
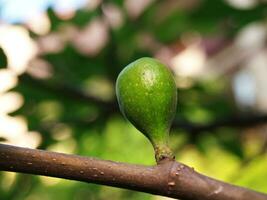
column 234, row 121
column 110, row 107
column 169, row 178
column 65, row 91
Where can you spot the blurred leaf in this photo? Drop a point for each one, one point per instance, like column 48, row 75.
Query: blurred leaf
column 3, row 59
column 2, row 139
column 254, row 175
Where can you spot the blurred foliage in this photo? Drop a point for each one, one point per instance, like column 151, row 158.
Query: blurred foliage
column 72, row 124
column 3, row 58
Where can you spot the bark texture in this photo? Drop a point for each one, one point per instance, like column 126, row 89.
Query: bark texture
column 168, row 178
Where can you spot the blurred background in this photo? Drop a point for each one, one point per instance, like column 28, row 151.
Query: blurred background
column 58, row 65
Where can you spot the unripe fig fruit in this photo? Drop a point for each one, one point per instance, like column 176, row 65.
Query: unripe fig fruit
column 147, row 94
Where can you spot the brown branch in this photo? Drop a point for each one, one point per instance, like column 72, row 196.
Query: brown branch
column 169, row 178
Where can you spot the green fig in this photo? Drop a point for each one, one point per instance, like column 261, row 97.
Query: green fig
column 147, row 97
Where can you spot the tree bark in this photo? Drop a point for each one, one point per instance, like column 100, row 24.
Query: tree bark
column 169, row 178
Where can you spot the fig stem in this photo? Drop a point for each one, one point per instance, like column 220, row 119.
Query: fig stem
column 162, row 152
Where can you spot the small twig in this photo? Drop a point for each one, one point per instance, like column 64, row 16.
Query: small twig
column 232, row 121
column 65, row 90
column 112, row 107
column 169, row 178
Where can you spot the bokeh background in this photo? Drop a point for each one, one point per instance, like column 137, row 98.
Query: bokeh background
column 58, row 65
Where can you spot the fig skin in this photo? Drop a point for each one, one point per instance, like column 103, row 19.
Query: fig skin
column 147, row 97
